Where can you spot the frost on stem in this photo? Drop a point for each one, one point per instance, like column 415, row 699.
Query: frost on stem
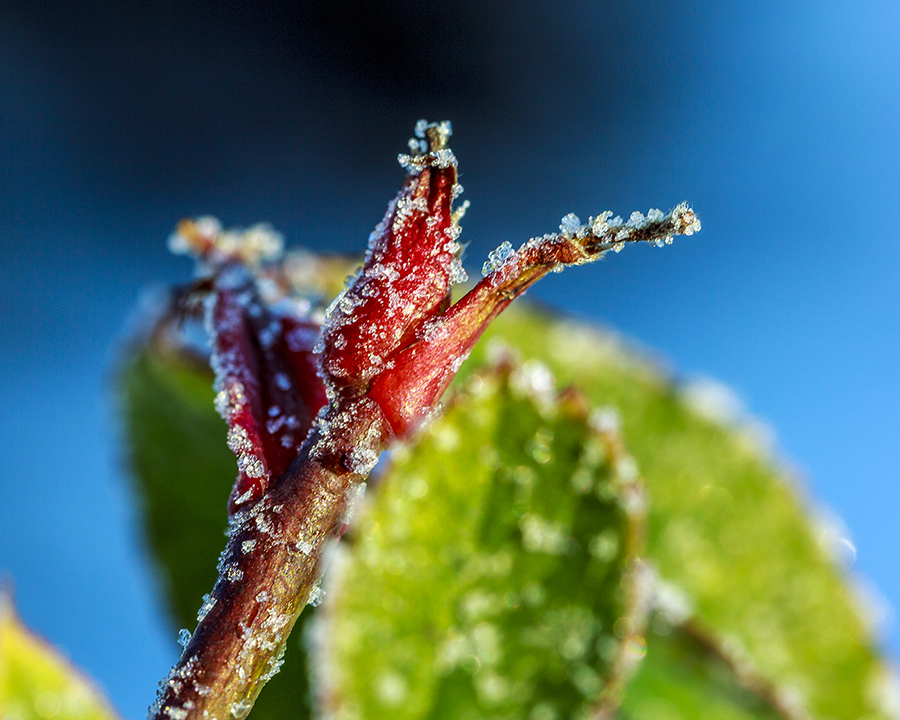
column 310, row 406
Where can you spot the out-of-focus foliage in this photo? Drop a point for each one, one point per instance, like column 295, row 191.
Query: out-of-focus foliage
column 495, row 572
column 726, row 526
column 733, row 553
column 684, row 677
column 36, row 682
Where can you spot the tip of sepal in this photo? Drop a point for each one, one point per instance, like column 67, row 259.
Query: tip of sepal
column 205, row 239
column 261, row 336
column 428, row 148
column 411, row 264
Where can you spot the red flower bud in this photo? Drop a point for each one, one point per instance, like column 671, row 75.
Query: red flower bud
column 391, row 341
column 392, row 334
column 412, row 260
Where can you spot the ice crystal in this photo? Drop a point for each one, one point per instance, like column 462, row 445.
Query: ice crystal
column 497, row 257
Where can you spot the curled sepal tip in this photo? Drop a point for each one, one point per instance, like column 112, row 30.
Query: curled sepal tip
column 416, row 378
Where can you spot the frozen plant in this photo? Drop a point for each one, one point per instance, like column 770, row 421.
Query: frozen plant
column 559, row 531
column 309, row 412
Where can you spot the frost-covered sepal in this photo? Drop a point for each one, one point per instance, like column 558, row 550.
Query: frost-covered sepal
column 415, row 380
column 262, row 339
column 411, row 263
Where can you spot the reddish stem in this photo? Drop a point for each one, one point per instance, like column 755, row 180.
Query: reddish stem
column 270, row 569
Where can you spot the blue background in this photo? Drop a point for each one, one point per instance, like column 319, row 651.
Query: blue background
column 777, row 121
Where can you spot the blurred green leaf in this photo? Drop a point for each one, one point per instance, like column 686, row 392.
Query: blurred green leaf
column 493, row 574
column 683, row 677
column 184, row 472
column 36, row 682
column 726, row 524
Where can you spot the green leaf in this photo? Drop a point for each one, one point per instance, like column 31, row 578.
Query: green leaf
column 36, row 682
column 684, row 675
column 185, row 472
column 493, row 574
column 726, row 525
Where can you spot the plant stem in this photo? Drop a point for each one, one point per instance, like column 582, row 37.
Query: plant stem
column 271, row 568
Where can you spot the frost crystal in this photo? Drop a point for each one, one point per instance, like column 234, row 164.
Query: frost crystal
column 497, row 257
column 457, row 272
column 421, row 127
column 207, row 605
column 570, row 225
column 240, row 709
column 315, row 596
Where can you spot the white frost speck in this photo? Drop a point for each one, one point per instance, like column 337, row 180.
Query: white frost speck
column 315, row 596
column 391, row 688
column 233, row 573
column 674, row 604
column 636, row 220
column 606, row 420
column 207, row 605
column 570, row 225
column 457, row 272
column 497, row 257
column 241, row 708
column 540, row 535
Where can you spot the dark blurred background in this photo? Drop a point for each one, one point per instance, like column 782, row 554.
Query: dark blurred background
column 777, row 121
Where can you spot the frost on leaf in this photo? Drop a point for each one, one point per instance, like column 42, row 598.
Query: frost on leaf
column 495, row 573
column 262, row 340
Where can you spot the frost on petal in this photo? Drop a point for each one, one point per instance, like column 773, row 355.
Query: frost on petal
column 411, row 263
